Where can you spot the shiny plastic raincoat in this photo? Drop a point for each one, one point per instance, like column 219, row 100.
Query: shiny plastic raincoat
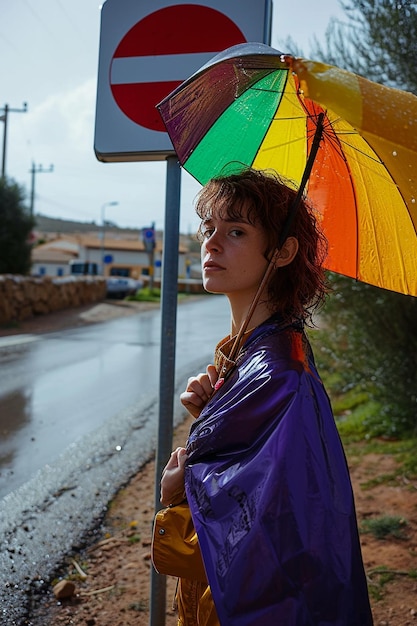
column 270, row 494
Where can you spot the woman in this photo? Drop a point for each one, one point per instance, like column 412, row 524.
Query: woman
column 263, row 470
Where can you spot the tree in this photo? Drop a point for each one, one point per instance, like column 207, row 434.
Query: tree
column 377, row 41
column 15, row 227
column 377, row 328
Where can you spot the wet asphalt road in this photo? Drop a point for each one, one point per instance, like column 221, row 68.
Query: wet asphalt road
column 57, row 387
column 79, row 416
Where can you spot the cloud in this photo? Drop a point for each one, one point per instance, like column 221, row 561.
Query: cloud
column 64, row 121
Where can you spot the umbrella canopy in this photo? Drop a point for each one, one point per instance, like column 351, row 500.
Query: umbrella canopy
column 255, row 106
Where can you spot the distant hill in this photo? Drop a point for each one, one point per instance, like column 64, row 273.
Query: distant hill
column 55, row 225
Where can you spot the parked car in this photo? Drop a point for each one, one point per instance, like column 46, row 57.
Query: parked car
column 120, row 287
column 83, row 268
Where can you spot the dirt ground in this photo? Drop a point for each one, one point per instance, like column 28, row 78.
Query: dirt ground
column 112, row 575
column 116, row 589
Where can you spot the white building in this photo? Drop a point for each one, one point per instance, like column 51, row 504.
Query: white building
column 123, row 256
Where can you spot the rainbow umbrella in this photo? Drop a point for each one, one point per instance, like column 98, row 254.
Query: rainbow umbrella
column 255, row 106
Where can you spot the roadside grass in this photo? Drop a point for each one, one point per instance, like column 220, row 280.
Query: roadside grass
column 385, row 527
column 146, row 294
column 380, row 576
column 10, row 325
column 355, row 412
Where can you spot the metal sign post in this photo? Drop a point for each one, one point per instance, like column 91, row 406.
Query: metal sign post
column 169, row 296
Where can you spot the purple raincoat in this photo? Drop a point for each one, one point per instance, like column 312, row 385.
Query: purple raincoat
column 270, row 493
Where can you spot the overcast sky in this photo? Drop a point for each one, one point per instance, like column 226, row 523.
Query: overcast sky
column 49, row 56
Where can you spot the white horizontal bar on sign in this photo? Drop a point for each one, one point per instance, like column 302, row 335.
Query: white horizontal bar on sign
column 156, row 69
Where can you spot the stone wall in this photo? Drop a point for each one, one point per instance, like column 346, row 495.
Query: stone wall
column 22, row 297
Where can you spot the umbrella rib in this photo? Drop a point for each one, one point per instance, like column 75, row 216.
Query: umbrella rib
column 375, row 159
column 282, row 144
column 353, row 132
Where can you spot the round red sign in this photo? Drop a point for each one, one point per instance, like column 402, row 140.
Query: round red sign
column 150, row 59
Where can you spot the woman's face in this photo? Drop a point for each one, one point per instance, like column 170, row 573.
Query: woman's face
column 232, row 255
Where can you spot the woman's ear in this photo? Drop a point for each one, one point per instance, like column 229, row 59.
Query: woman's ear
column 287, row 253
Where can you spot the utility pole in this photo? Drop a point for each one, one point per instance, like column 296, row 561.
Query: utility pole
column 3, row 118
column 103, row 233
column 36, row 170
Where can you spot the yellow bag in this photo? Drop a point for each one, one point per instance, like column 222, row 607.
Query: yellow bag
column 175, row 550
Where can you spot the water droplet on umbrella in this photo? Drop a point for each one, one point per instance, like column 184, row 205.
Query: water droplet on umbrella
column 413, row 200
column 394, row 153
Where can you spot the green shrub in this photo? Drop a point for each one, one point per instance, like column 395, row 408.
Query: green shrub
column 386, row 526
column 371, row 346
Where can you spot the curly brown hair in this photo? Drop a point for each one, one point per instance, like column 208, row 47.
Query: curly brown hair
column 263, row 198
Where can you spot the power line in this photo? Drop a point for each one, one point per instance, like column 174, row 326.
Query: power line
column 40, row 20
column 71, row 21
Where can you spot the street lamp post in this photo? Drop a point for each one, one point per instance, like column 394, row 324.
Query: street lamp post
column 103, row 230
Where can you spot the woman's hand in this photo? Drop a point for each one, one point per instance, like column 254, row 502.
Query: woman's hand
column 199, row 390
column 172, row 481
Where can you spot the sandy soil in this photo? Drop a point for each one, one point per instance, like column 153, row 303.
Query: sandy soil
column 115, row 588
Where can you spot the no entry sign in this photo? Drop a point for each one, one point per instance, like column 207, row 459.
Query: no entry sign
column 155, row 53
column 148, row 48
